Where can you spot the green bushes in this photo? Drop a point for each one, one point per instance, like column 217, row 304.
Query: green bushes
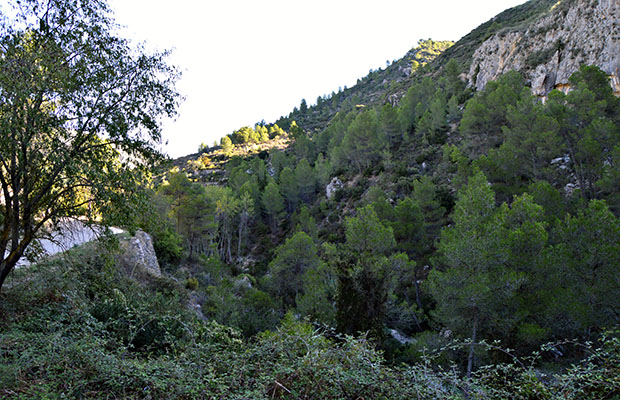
column 542, row 56
column 71, row 345
column 191, row 283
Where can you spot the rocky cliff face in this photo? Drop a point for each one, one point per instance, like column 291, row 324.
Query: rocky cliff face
column 572, row 33
column 138, row 256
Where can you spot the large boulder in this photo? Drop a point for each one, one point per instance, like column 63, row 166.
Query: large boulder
column 138, row 256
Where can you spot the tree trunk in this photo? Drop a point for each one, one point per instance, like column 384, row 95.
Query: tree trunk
column 242, row 230
column 9, row 262
column 4, row 272
column 6, row 266
column 239, row 240
column 417, row 293
column 228, row 247
column 273, row 224
column 470, row 359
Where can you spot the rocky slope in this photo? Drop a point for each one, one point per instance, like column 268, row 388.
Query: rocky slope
column 548, row 50
column 547, row 40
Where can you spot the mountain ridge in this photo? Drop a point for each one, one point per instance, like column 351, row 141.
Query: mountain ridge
column 481, row 56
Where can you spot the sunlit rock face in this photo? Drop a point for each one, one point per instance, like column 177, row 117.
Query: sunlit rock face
column 573, row 33
column 138, row 256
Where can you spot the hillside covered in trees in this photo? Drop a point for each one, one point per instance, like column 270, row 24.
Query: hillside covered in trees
column 409, row 237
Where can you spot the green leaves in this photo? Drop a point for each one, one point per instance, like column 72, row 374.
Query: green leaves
column 294, row 258
column 366, row 235
column 485, row 114
column 273, row 204
column 79, row 117
column 586, row 253
column 482, row 256
column 361, row 144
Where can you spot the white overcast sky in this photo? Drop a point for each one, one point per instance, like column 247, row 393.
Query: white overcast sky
column 248, row 60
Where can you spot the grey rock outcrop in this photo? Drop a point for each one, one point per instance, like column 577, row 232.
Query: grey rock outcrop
column 400, row 338
column 549, row 50
column 138, row 256
column 333, row 187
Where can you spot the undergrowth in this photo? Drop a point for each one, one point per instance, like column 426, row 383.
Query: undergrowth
column 78, row 328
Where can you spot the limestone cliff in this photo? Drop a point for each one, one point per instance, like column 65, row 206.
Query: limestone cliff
column 138, row 256
column 548, row 50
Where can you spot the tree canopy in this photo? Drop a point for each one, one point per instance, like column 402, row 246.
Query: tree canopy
column 79, row 114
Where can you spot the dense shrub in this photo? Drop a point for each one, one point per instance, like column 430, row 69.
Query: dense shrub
column 124, row 340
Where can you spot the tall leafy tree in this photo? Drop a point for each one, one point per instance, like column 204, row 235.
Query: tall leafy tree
column 390, row 128
column 589, row 125
column 279, row 161
column 306, row 180
column 425, row 195
column 584, row 263
column 531, row 142
column 193, row 212
column 524, row 239
column 79, row 116
column 485, row 114
column 304, row 147
column 415, row 103
column 246, row 211
column 226, row 211
column 376, row 198
column 263, row 132
column 361, row 143
column 294, row 258
column 226, row 144
column 303, row 107
column 474, row 287
column 432, row 126
column 273, row 204
column 364, row 273
column 365, row 234
column 322, row 171
column 306, row 223
column 318, row 293
column 289, row 188
column 451, row 80
column 409, row 229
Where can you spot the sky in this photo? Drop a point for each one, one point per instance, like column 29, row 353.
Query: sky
column 244, row 61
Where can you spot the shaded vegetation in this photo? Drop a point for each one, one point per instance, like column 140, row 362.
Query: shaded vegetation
column 86, row 331
column 460, row 233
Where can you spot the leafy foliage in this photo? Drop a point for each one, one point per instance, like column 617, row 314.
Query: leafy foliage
column 79, row 112
column 79, row 338
column 453, row 215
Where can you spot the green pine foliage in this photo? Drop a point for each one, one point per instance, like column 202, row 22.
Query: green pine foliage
column 456, row 220
column 471, row 217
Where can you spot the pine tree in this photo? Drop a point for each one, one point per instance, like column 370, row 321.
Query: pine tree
column 273, row 204
column 475, row 287
column 289, row 188
column 293, row 259
column 364, row 274
column 361, row 143
column 226, row 144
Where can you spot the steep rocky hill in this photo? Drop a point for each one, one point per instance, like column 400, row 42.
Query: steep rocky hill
column 374, row 88
column 547, row 40
column 550, row 48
